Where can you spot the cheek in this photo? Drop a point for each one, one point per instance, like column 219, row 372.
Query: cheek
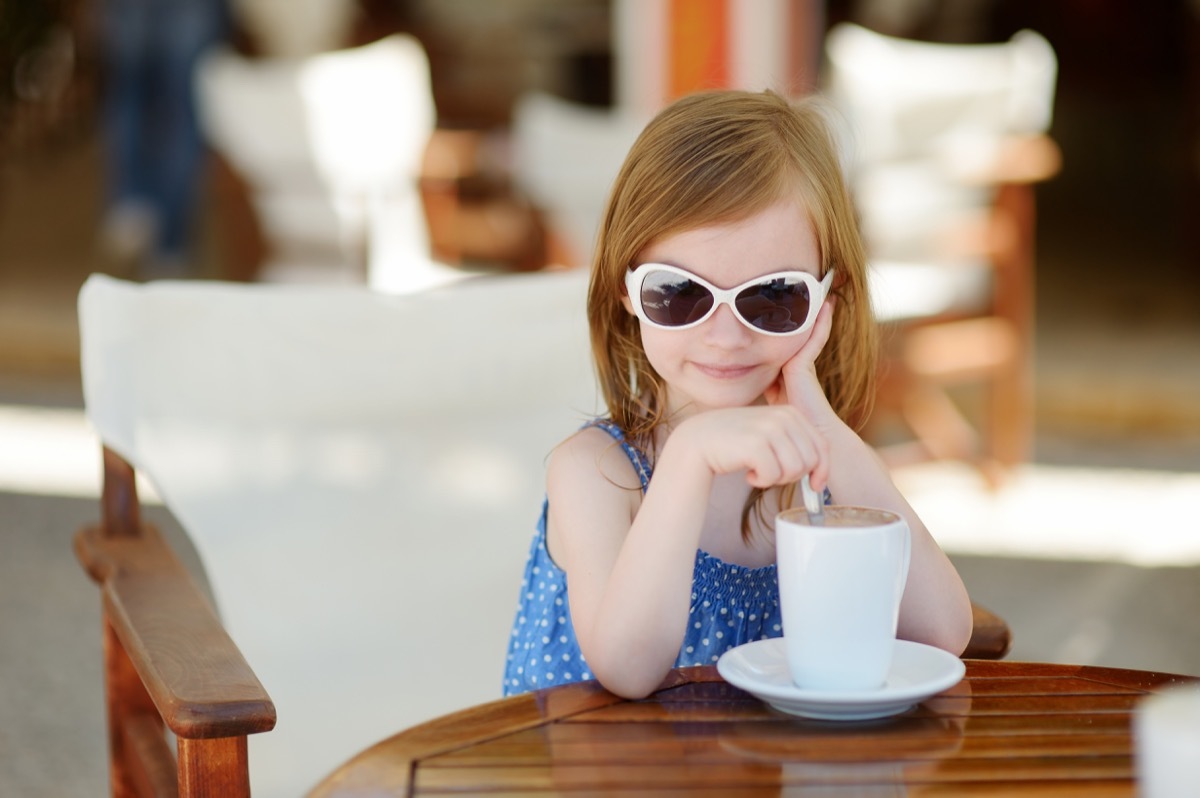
column 660, row 346
column 784, row 349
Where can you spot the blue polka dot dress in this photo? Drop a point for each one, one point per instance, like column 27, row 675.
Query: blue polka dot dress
column 731, row 605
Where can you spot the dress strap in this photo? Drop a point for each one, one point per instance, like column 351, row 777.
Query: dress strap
column 636, row 456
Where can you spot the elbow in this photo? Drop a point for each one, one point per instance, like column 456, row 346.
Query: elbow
column 628, row 664
column 956, row 636
column 628, row 682
column 950, row 631
column 632, row 692
column 627, row 674
column 953, row 638
column 953, row 634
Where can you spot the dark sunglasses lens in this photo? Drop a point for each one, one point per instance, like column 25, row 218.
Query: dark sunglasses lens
column 673, row 300
column 780, row 305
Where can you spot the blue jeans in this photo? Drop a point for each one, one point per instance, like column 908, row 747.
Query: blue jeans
column 154, row 148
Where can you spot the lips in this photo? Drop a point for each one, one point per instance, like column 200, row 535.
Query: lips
column 723, row 371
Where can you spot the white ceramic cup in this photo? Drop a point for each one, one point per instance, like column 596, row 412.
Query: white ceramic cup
column 840, row 585
column 1166, row 730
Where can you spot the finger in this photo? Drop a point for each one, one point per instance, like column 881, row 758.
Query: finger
column 758, row 459
column 819, row 475
column 766, row 471
column 806, row 452
column 805, row 358
column 794, row 450
column 820, row 333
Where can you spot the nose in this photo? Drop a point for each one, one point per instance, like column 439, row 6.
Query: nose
column 725, row 330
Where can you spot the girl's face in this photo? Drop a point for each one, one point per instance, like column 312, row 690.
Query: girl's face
column 721, row 362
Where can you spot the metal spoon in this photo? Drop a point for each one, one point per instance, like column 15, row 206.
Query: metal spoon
column 812, row 503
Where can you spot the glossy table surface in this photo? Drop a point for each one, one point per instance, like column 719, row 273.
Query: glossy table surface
column 1009, row 728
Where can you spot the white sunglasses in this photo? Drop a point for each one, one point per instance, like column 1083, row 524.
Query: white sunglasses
column 782, row 303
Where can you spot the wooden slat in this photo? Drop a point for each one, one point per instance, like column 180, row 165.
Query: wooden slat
column 696, row 773
column 1117, row 677
column 1040, row 705
column 1042, row 686
column 126, row 699
column 641, row 743
column 214, row 766
column 120, row 512
column 151, row 763
column 557, row 737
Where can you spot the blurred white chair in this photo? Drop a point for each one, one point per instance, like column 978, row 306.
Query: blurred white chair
column 944, row 145
column 296, row 28
column 360, row 475
column 331, row 148
column 565, row 158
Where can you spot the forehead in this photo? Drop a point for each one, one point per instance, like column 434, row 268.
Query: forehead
column 778, row 238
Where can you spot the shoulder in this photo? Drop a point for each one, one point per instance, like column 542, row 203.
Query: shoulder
column 591, row 482
column 591, row 455
column 593, row 494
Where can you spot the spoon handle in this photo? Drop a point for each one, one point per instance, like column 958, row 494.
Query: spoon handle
column 812, row 502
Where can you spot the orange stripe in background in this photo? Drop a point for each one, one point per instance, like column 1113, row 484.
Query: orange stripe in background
column 698, row 46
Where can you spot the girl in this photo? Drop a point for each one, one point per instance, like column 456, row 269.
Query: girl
column 735, row 347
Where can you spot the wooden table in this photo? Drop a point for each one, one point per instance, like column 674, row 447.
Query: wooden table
column 1009, row 728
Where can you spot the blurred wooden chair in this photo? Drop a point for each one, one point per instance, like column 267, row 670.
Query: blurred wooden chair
column 360, row 475
column 329, row 148
column 945, row 146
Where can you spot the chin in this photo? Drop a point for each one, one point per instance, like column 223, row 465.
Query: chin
column 723, row 399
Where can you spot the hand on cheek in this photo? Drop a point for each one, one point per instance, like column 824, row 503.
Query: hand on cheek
column 797, row 383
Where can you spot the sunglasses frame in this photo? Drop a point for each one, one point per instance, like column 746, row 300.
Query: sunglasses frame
column 817, row 289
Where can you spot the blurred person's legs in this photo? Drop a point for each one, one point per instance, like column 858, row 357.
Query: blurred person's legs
column 155, row 152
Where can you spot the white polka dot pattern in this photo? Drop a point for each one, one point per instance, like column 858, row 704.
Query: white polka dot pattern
column 730, row 605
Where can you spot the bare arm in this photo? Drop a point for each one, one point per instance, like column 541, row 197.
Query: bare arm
column 630, row 562
column 936, row 609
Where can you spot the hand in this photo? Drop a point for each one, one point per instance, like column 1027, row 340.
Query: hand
column 798, row 384
column 774, row 445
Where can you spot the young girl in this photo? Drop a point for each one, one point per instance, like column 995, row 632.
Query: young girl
column 735, row 346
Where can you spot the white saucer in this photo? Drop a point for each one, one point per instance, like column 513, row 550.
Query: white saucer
column 918, row 671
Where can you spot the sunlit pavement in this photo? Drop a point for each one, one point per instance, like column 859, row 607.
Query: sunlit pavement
column 1064, row 512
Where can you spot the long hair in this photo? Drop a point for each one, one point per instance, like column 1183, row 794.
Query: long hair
column 713, row 158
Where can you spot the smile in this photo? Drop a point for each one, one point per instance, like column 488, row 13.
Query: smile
column 723, row 372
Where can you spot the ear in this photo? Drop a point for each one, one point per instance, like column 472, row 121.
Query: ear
column 625, row 303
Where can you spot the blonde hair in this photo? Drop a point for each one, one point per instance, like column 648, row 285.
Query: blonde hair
column 717, row 157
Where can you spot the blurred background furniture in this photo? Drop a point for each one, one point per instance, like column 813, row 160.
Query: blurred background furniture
column 296, row 28
column 565, row 158
column 330, row 149
column 360, row 475
column 944, row 146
